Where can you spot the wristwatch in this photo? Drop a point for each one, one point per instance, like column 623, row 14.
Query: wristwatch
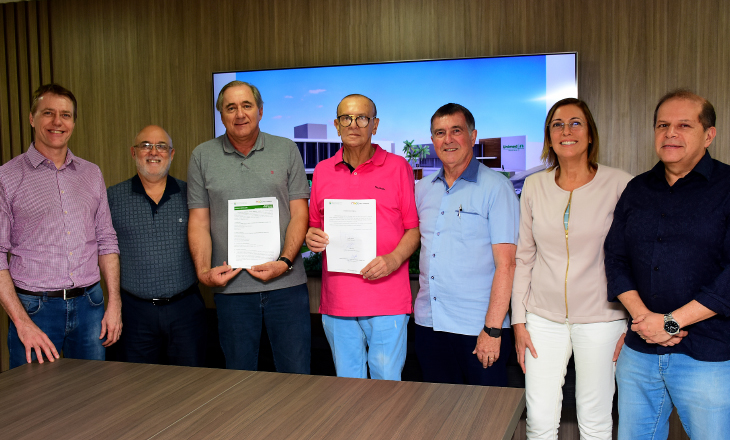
column 493, row 332
column 288, row 262
column 670, row 325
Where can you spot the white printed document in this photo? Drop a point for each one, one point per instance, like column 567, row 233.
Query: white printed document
column 253, row 231
column 350, row 225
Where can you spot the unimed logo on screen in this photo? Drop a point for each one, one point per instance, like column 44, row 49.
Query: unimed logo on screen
column 513, row 147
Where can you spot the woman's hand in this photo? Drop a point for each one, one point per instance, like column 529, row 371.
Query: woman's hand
column 523, row 342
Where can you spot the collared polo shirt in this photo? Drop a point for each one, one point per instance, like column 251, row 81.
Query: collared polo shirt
column 171, row 188
column 218, row 173
column 672, row 245
column 388, row 179
column 54, row 223
column 458, row 227
column 153, row 238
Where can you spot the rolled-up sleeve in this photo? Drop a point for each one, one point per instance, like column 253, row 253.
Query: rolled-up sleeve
column 106, row 236
column 6, row 225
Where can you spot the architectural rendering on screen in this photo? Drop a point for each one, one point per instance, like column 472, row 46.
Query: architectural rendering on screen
column 509, row 97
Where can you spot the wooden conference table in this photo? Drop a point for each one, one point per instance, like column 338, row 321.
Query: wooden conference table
column 109, row 400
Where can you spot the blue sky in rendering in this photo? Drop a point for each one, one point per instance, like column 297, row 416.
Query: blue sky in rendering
column 506, row 95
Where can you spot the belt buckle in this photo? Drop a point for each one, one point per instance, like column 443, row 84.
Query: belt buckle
column 64, row 295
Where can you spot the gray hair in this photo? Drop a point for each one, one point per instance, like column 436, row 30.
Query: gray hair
column 236, row 83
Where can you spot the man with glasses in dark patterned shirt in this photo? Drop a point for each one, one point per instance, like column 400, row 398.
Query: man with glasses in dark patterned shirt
column 163, row 311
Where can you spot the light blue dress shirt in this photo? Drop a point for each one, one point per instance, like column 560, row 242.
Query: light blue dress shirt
column 458, row 227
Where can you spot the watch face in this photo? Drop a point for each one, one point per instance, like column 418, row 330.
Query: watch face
column 671, row 327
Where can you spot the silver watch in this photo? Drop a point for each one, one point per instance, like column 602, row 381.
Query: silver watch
column 670, row 325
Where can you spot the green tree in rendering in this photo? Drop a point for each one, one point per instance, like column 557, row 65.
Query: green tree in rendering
column 414, row 153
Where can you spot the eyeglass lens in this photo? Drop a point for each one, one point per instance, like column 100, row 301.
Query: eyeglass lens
column 162, row 148
column 361, row 121
column 572, row 125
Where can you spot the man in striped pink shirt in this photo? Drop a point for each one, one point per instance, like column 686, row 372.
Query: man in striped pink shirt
column 56, row 226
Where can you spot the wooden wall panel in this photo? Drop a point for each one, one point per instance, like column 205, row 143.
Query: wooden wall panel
column 138, row 62
column 693, row 56
column 5, row 152
column 25, row 55
column 14, row 94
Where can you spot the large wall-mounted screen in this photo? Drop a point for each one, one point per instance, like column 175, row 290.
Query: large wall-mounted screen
column 509, row 97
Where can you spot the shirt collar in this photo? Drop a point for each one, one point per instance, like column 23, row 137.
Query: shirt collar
column 36, row 158
column 171, row 187
column 703, row 168
column 229, row 148
column 470, row 173
column 378, row 158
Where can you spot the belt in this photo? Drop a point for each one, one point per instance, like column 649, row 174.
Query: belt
column 63, row 293
column 165, row 301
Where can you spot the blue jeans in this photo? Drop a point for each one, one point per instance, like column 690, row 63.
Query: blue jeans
column 376, row 341
column 173, row 334
column 73, row 325
column 650, row 385
column 285, row 312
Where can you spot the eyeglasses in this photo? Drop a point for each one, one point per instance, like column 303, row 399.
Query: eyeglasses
column 146, row 146
column 361, row 121
column 572, row 125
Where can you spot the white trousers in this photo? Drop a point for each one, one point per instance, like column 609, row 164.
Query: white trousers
column 592, row 346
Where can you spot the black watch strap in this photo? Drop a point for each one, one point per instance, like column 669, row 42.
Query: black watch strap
column 493, row 332
column 288, row 263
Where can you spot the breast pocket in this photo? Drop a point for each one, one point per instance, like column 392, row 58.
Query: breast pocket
column 473, row 225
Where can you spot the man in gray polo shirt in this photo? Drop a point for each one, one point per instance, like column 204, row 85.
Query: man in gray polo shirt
column 246, row 163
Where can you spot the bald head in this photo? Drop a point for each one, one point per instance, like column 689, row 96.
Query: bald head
column 153, row 134
column 154, row 164
column 359, row 96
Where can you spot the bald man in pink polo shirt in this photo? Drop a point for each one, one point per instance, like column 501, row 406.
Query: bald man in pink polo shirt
column 365, row 316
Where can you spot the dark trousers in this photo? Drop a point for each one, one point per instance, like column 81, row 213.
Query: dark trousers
column 173, row 334
column 284, row 312
column 447, row 358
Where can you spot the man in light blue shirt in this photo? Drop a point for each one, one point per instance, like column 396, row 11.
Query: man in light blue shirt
column 469, row 219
